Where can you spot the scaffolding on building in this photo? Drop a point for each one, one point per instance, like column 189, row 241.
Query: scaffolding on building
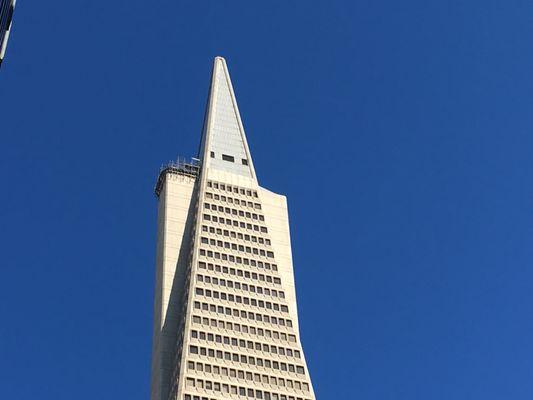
column 181, row 166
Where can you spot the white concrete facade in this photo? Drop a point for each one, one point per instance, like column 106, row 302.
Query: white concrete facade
column 174, row 225
column 225, row 313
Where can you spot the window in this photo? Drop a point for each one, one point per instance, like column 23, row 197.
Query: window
column 212, row 154
column 225, row 157
column 244, row 161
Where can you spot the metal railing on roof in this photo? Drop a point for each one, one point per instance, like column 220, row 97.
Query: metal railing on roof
column 181, row 166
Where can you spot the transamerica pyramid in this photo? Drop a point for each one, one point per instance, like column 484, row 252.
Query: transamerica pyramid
column 225, row 314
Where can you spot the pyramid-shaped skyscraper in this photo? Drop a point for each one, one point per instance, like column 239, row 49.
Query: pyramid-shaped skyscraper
column 225, row 314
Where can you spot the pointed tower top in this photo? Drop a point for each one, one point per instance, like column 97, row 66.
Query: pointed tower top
column 224, row 146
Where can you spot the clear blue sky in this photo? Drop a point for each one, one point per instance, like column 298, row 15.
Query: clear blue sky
column 401, row 133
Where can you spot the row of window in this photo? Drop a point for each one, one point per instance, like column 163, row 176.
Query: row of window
column 232, row 189
column 274, row 397
column 242, row 328
column 268, row 319
column 245, row 344
column 247, row 375
column 237, row 247
column 243, row 274
column 246, row 359
column 233, row 211
column 228, row 257
column 236, row 235
column 247, row 301
column 241, row 391
column 238, row 224
column 227, row 157
column 240, row 286
column 233, row 200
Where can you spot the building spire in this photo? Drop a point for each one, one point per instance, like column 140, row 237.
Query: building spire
column 224, row 146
